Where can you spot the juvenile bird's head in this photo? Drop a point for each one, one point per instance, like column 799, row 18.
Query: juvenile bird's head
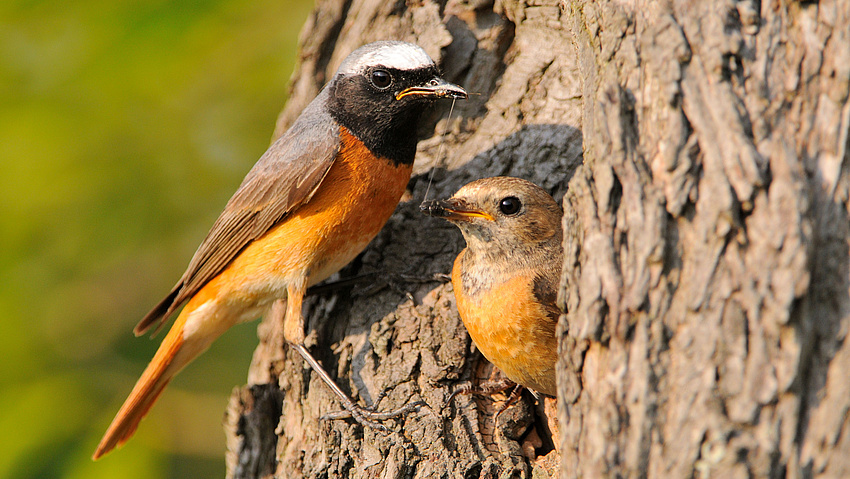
column 501, row 216
column 380, row 92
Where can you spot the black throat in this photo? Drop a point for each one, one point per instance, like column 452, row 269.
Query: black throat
column 396, row 142
column 386, row 126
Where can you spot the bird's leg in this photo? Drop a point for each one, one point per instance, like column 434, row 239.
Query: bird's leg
column 294, row 333
column 293, row 320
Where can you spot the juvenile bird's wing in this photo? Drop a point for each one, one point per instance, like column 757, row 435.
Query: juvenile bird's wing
column 545, row 290
column 285, row 177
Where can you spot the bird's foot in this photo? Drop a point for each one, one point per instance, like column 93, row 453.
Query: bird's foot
column 487, row 388
column 365, row 416
column 369, row 415
column 516, row 393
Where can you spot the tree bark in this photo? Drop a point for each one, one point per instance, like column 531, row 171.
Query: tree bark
column 706, row 259
column 706, row 269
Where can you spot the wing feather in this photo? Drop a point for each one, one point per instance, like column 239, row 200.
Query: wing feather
column 284, row 178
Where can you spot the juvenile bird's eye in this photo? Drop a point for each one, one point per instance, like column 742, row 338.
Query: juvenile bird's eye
column 510, row 205
column 381, row 79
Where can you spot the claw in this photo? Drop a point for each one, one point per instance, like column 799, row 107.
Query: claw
column 487, row 388
column 365, row 416
column 516, row 393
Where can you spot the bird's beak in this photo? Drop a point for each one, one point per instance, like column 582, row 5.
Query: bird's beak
column 453, row 210
column 436, row 88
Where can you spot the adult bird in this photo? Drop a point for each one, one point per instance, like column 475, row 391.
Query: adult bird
column 310, row 204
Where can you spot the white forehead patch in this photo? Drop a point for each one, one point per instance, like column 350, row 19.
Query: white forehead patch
column 389, row 54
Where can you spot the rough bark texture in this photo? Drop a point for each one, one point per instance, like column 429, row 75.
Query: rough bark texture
column 706, row 269
column 706, row 277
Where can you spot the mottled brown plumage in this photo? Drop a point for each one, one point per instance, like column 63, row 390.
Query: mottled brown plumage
column 506, row 278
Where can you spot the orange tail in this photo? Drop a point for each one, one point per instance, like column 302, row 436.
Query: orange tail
column 159, row 372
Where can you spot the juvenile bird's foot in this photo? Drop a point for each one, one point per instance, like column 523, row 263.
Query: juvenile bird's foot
column 512, row 399
column 489, row 388
column 365, row 416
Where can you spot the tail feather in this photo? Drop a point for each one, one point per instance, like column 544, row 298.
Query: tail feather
column 156, row 376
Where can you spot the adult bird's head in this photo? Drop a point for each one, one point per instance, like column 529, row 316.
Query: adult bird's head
column 380, row 92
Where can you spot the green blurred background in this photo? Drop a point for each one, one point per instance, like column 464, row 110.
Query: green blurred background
column 124, row 128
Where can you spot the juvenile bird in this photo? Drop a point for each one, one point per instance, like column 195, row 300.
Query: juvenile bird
column 506, row 278
column 310, row 204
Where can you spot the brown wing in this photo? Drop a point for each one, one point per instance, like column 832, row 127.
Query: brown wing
column 285, row 177
column 545, row 290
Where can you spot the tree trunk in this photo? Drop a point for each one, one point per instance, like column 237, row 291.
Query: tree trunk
column 706, row 268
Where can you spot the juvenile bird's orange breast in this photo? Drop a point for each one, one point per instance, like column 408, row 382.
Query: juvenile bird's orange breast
column 510, row 328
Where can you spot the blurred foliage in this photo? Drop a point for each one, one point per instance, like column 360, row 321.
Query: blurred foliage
column 124, row 128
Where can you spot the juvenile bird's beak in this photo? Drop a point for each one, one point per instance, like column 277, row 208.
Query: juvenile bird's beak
column 453, row 210
column 437, row 88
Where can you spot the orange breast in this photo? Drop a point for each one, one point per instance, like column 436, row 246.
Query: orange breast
column 510, row 328
column 349, row 208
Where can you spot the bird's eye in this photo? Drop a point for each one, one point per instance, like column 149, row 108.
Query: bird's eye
column 381, row 79
column 510, row 205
